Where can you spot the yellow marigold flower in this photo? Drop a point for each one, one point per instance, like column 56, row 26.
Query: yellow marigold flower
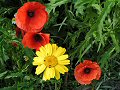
column 51, row 60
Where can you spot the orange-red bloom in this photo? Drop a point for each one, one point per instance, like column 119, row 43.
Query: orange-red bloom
column 87, row 71
column 35, row 40
column 14, row 44
column 19, row 31
column 31, row 17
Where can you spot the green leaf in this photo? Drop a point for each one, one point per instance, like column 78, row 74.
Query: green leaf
column 86, row 49
column 54, row 3
column 106, row 57
column 115, row 42
column 80, row 5
column 3, row 74
column 97, row 7
column 98, row 26
column 9, row 88
column 3, row 55
column 29, row 53
column 13, row 75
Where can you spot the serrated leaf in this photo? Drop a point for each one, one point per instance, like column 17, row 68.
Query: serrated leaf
column 54, row 3
column 98, row 26
column 13, row 75
column 97, row 7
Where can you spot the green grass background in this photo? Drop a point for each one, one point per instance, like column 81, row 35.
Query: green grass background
column 88, row 29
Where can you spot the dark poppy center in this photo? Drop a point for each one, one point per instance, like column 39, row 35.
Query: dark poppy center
column 87, row 70
column 30, row 13
column 37, row 38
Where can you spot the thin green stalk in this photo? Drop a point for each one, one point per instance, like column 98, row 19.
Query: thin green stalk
column 21, row 2
column 55, row 86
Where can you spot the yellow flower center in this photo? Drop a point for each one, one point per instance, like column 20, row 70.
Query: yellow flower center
column 50, row 61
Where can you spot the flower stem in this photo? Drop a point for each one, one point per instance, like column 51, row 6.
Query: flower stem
column 55, row 86
column 21, row 2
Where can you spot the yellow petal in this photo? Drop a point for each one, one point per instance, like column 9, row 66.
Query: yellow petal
column 46, row 74
column 63, row 57
column 57, row 74
column 40, row 54
column 60, row 69
column 43, row 51
column 52, row 72
column 48, row 48
column 44, row 77
column 64, row 62
column 38, row 61
column 40, row 69
column 60, row 51
column 65, row 68
column 48, row 71
column 54, row 47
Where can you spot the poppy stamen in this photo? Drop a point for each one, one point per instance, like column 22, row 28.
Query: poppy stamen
column 87, row 70
column 37, row 37
column 30, row 13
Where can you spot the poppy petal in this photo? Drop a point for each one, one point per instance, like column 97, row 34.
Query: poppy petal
column 87, row 71
column 31, row 17
column 33, row 40
column 46, row 37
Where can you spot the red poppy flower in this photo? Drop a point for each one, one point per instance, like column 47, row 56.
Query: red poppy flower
column 14, row 44
column 19, row 31
column 31, row 17
column 35, row 40
column 87, row 71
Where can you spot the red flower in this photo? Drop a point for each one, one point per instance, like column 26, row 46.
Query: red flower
column 31, row 17
column 19, row 31
column 87, row 71
column 14, row 44
column 35, row 40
